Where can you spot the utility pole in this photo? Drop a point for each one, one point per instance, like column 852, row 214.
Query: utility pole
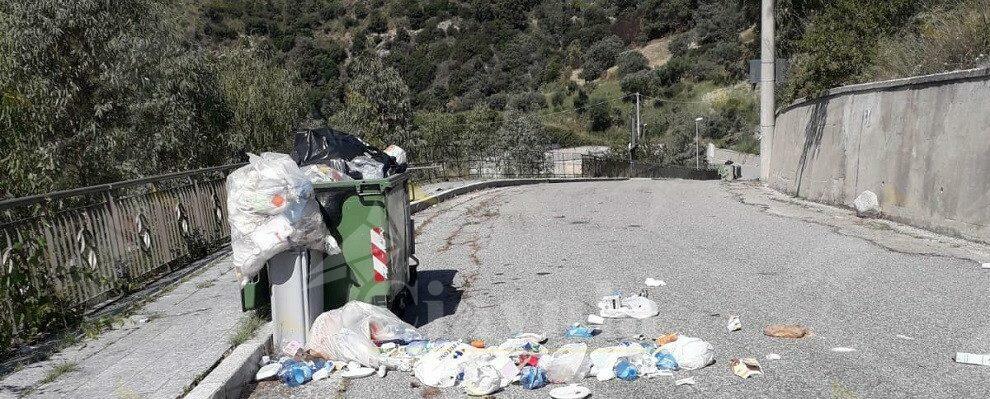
column 638, row 124
column 767, row 71
column 697, row 140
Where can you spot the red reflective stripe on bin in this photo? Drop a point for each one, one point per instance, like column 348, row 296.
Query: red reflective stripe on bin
column 379, row 257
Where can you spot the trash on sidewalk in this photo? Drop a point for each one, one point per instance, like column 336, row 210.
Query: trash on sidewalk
column 572, row 391
column 973, row 358
column 478, row 343
column 905, row 337
column 294, row 373
column 440, row 366
column 271, row 208
column 745, row 367
column 985, row 265
column 690, row 353
column 352, row 332
column 635, row 306
column 595, row 319
column 867, row 204
column 772, row 356
column 734, row 324
column 685, row 381
column 652, row 282
column 786, row 331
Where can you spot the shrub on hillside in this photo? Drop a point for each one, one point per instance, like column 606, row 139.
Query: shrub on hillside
column 631, row 61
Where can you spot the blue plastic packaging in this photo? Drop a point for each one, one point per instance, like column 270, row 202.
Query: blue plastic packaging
column 532, row 377
column 626, row 371
column 665, row 361
column 294, row 373
column 579, row 332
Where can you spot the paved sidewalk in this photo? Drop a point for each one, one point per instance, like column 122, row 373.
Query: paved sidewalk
column 158, row 352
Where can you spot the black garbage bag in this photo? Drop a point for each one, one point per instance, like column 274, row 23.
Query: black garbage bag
column 328, row 147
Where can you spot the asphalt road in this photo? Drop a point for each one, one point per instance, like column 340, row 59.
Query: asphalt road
column 538, row 258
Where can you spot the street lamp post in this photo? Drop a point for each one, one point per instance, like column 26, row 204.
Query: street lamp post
column 697, row 140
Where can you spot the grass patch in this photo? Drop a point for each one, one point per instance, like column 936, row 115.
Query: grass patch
column 245, row 329
column 58, row 371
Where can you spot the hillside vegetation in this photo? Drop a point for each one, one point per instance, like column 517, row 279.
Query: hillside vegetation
column 101, row 90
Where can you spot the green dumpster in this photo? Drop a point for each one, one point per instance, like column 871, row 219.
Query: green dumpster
column 370, row 220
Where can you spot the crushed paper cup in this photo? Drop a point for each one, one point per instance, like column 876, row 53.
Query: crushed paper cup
column 745, row 367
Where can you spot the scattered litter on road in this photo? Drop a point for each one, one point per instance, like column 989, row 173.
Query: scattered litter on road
column 734, row 324
column 905, row 337
column 666, row 339
column 572, row 391
column 842, row 349
column 579, row 331
column 532, row 377
column 665, row 361
column 973, row 358
column 356, row 370
column 652, row 282
column 685, row 381
column 772, row 356
column 478, row 343
column 786, row 331
column 626, row 371
column 595, row 319
column 745, row 367
column 986, row 265
column 636, row 306
column 565, row 364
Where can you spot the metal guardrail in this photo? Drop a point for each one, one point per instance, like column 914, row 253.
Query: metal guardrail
column 124, row 234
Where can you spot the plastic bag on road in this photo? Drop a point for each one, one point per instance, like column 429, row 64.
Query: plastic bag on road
column 568, row 363
column 486, row 374
column 352, row 333
column 690, row 353
column 271, row 209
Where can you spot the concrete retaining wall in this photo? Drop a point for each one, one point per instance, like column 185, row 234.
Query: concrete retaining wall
column 921, row 144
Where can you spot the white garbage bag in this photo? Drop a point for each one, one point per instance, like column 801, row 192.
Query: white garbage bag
column 353, row 332
column 398, row 153
column 567, row 364
column 690, row 353
column 271, row 208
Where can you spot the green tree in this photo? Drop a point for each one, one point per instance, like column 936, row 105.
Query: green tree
column 630, row 62
column 523, row 143
column 601, row 56
column 376, row 105
column 97, row 91
column 265, row 100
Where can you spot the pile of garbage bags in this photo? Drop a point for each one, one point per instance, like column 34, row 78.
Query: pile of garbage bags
column 271, row 203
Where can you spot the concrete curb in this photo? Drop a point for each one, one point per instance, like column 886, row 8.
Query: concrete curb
column 229, row 377
column 237, row 369
column 446, row 195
